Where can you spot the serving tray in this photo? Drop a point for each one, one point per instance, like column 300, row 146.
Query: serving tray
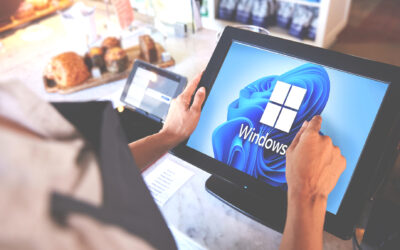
column 133, row 54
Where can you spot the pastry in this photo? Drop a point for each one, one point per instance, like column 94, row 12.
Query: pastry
column 66, row 70
column 116, row 60
column 39, row 4
column 148, row 49
column 25, row 10
column 110, row 42
column 55, row 3
column 95, row 59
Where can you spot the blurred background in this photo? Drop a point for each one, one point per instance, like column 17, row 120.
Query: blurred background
column 184, row 32
column 373, row 31
column 105, row 37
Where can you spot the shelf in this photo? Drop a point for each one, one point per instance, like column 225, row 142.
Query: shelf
column 332, row 18
column 303, row 2
column 218, row 25
column 283, row 33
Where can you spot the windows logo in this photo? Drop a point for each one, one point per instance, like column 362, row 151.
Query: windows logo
column 283, row 105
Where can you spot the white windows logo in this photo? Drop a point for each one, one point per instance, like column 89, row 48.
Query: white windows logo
column 283, row 105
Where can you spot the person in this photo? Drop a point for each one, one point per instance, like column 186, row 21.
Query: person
column 41, row 151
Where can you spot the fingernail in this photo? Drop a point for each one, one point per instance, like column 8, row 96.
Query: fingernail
column 316, row 117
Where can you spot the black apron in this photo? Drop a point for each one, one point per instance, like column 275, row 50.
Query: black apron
column 127, row 203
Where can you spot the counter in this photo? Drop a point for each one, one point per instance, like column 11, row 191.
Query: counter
column 215, row 225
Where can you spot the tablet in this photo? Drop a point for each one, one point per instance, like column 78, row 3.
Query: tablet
column 150, row 90
column 260, row 91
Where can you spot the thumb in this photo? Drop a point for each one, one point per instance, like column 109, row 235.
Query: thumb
column 198, row 99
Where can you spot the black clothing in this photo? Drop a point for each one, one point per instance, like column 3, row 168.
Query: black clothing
column 127, row 202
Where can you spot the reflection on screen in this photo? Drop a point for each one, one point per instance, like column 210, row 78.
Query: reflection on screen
column 259, row 101
column 151, row 92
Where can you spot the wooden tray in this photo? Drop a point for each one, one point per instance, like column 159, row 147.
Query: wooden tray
column 133, row 54
column 62, row 4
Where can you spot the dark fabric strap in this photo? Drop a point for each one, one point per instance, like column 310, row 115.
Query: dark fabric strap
column 127, row 202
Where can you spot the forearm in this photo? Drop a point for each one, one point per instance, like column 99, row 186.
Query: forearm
column 149, row 149
column 304, row 222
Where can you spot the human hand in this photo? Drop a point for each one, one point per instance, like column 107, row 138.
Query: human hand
column 313, row 163
column 182, row 117
column 313, row 166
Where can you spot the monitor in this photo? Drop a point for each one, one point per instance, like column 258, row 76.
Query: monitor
column 260, row 91
column 268, row 100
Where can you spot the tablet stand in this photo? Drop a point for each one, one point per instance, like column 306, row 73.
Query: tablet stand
column 250, row 204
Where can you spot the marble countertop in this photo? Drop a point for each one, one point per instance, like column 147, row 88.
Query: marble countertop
column 215, row 225
column 193, row 211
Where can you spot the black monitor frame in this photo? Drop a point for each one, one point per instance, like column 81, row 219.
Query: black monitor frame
column 377, row 154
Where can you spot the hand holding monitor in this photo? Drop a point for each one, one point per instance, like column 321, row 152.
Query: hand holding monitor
column 183, row 116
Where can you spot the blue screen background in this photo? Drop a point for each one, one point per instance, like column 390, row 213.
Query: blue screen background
column 347, row 117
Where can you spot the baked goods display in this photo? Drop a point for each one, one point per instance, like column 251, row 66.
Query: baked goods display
column 95, row 59
column 55, row 3
column 110, row 42
column 25, row 10
column 39, row 4
column 66, row 70
column 148, row 48
column 110, row 57
column 116, row 60
column 69, row 72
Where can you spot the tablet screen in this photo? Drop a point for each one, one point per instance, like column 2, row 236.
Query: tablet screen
column 152, row 92
column 259, row 101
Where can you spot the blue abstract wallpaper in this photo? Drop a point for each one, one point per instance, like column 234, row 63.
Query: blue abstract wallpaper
column 347, row 103
column 250, row 158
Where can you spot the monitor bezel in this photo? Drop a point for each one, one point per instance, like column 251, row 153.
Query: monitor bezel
column 377, row 150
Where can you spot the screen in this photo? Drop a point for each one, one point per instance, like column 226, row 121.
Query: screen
column 151, row 92
column 261, row 98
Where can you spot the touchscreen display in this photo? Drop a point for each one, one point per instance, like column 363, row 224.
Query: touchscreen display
column 261, row 98
column 151, row 92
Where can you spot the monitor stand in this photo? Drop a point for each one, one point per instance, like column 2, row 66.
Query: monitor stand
column 247, row 203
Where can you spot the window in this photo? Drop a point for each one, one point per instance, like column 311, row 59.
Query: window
column 283, row 105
